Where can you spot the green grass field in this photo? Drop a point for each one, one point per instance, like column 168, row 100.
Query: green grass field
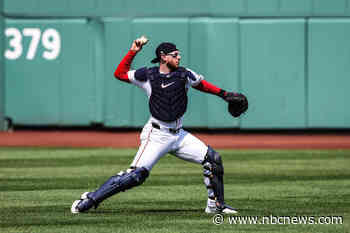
column 38, row 186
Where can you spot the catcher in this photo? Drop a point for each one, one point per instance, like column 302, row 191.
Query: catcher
column 166, row 87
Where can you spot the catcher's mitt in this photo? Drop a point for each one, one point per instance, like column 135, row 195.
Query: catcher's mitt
column 237, row 103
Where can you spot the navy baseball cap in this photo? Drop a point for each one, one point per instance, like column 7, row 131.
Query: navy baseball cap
column 164, row 48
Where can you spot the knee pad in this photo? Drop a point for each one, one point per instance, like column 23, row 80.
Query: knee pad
column 133, row 177
column 212, row 162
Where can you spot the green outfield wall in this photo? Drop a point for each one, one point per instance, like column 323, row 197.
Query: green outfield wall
column 2, row 75
column 291, row 59
column 139, row 8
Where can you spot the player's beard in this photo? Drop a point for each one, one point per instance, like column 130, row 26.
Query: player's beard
column 172, row 67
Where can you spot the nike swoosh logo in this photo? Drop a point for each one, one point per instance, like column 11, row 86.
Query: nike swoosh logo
column 165, row 86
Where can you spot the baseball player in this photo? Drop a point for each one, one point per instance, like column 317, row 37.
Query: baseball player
column 166, row 86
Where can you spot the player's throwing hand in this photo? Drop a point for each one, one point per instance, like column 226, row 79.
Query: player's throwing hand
column 138, row 44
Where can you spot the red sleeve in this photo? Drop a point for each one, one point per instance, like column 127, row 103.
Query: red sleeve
column 208, row 88
column 121, row 72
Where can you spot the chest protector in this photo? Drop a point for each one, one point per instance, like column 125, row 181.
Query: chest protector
column 168, row 101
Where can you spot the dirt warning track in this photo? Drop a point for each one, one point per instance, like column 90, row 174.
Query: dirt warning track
column 131, row 140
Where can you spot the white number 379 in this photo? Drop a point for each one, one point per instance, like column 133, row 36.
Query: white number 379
column 50, row 39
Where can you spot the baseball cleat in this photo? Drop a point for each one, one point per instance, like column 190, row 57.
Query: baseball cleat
column 229, row 210
column 74, row 208
column 82, row 205
column 225, row 210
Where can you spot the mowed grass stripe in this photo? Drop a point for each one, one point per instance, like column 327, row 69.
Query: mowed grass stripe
column 29, row 184
column 38, row 185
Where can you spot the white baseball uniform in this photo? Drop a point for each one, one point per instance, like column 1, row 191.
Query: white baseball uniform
column 155, row 143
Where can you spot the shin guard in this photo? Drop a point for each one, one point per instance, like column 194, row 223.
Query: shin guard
column 213, row 176
column 118, row 183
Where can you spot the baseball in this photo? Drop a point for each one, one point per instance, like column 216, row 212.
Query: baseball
column 143, row 40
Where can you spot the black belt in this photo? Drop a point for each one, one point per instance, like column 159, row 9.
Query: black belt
column 173, row 131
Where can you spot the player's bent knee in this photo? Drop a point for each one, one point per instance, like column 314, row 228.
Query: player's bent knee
column 213, row 162
column 139, row 175
column 131, row 178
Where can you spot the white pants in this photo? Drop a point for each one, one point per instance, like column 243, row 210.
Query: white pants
column 155, row 143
